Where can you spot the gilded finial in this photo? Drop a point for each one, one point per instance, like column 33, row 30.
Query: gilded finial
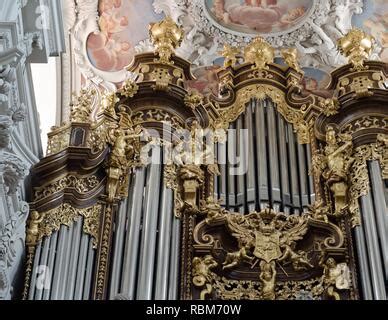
column 357, row 46
column 166, row 36
column 259, row 52
column 230, row 54
column 81, row 107
column 290, row 56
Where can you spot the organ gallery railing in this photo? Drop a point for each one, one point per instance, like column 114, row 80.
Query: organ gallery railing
column 260, row 253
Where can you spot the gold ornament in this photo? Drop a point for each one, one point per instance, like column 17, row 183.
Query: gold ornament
column 291, row 58
column 357, row 46
column 230, row 54
column 129, row 89
column 260, row 53
column 202, row 274
column 81, row 107
column 166, row 36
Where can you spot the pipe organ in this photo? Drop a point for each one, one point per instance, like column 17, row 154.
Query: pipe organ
column 261, row 192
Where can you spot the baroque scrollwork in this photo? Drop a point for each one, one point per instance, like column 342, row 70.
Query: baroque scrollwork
column 261, row 91
column 81, row 185
column 81, row 107
column 269, row 246
column 43, row 224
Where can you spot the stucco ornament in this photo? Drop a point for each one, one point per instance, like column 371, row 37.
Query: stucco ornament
column 315, row 31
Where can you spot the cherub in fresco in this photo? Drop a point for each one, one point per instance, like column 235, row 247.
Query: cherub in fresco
column 107, row 50
column 378, row 26
column 260, row 15
column 207, row 80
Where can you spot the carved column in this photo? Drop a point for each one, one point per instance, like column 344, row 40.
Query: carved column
column 24, row 39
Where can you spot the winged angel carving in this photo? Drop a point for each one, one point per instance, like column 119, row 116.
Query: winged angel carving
column 267, row 238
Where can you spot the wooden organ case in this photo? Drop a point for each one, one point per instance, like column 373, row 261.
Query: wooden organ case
column 134, row 202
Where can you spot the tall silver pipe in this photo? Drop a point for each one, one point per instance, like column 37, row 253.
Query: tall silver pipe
column 32, row 288
column 293, row 165
column 43, row 268
column 250, row 174
column 164, row 239
column 273, row 159
column 261, row 153
column 74, row 255
column 363, row 264
column 241, row 152
column 50, row 264
column 80, row 279
column 150, row 220
column 303, row 175
column 59, row 262
column 89, row 271
column 222, row 159
column 65, row 266
column 381, row 210
column 377, row 275
column 118, row 248
column 283, row 165
column 231, row 165
column 310, row 177
column 133, row 235
column 175, row 254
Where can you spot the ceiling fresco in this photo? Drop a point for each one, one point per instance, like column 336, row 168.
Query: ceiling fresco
column 312, row 26
column 123, row 24
column 258, row 16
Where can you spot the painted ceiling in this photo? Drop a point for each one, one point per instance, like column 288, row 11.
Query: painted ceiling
column 312, row 26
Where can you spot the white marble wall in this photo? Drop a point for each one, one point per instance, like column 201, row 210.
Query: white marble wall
column 30, row 31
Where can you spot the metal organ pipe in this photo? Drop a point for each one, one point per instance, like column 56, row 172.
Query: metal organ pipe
column 133, row 235
column 381, row 211
column 71, row 277
column 372, row 242
column 277, row 166
column 164, row 233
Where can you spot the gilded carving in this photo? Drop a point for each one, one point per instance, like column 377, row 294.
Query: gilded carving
column 260, row 92
column 166, row 36
column 162, row 78
column 125, row 153
column 202, row 276
column 334, row 166
column 45, row 223
column 81, row 107
column 129, row 89
column 260, row 53
column 357, row 46
column 81, row 185
column 230, row 54
column 193, row 99
column 270, row 242
column 335, row 277
column 291, row 58
column 32, row 233
column 108, row 102
column 58, row 140
column 330, row 106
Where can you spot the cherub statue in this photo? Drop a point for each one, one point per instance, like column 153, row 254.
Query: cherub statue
column 108, row 102
column 267, row 277
column 202, row 274
column 33, row 227
column 230, row 54
column 335, row 276
column 291, row 58
column 299, row 260
column 319, row 211
column 234, row 258
column 338, row 162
